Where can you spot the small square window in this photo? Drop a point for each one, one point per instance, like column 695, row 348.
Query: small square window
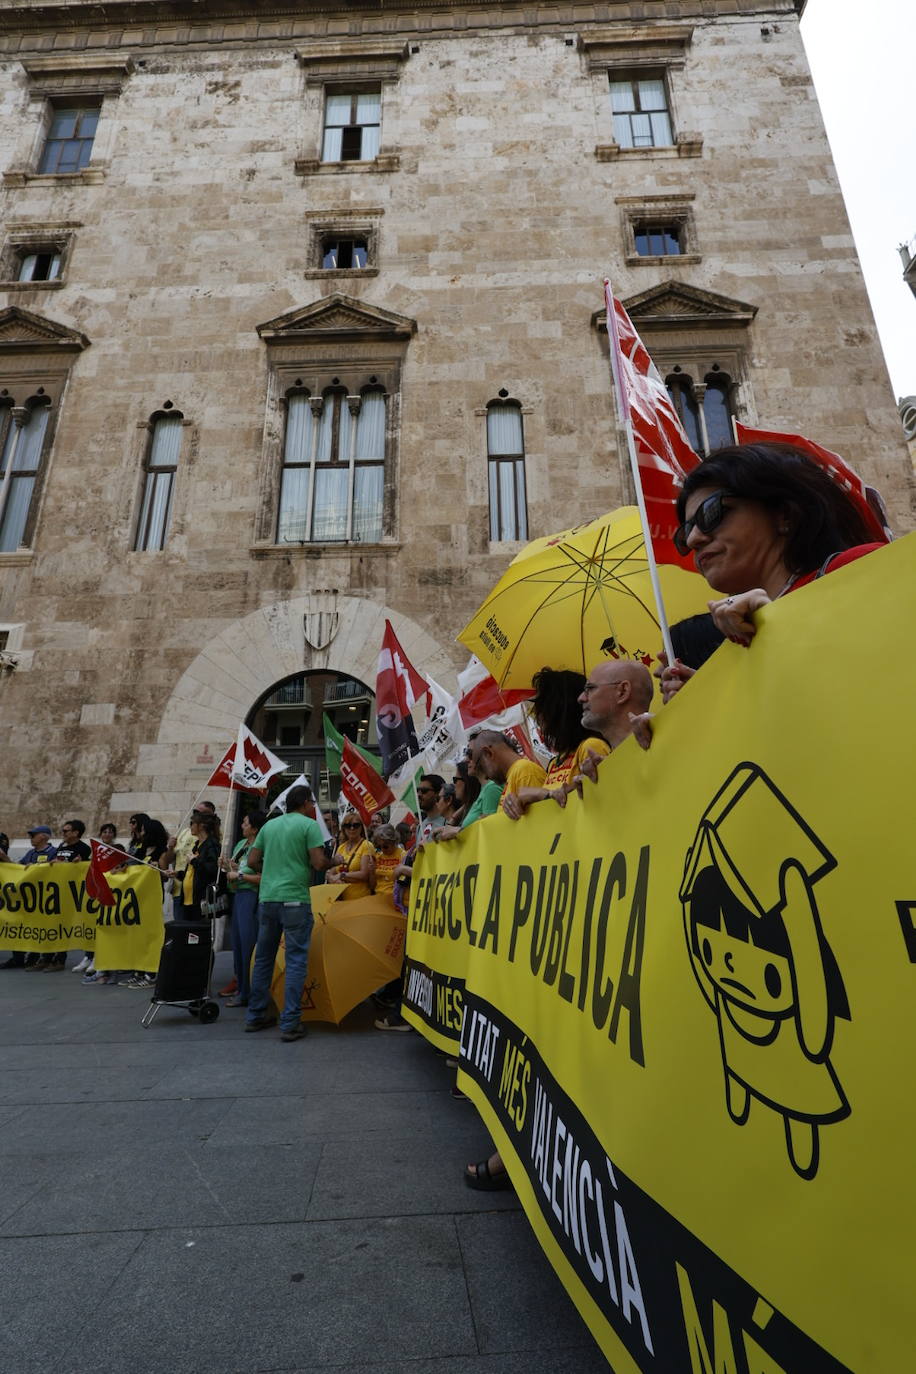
column 342, row 254
column 39, row 264
column 71, row 133
column 352, row 126
column 658, row 239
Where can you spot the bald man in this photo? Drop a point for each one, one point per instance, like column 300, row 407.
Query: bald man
column 615, row 691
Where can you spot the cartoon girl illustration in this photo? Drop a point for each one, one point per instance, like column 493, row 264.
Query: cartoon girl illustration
column 762, row 961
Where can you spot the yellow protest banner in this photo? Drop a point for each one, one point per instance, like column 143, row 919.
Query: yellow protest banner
column 45, row 909
column 685, row 1005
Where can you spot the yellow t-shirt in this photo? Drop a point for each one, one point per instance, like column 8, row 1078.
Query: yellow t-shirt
column 385, row 864
column 524, row 773
column 563, row 769
column 352, row 860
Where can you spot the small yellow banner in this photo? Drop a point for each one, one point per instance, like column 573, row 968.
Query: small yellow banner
column 684, row 1004
column 45, row 909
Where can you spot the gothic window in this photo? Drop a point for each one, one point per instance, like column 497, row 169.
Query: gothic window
column 352, row 126
column 506, row 465
column 160, row 467
column 23, row 435
column 705, row 408
column 642, row 117
column 332, row 485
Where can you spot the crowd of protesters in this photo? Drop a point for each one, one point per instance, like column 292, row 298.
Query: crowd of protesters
column 760, row 520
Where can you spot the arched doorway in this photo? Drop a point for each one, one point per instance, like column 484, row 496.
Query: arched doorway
column 290, row 719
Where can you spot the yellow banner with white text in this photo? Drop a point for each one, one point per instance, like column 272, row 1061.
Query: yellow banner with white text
column 45, row 909
column 684, row 1004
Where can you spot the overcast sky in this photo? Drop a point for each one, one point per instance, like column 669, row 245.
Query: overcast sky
column 863, row 58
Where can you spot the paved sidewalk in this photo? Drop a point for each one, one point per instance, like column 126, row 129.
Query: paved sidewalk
column 190, row 1199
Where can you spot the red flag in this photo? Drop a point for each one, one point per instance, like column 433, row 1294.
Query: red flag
column 361, row 785
column 247, row 766
column 866, row 499
column 663, row 450
column 397, row 686
column 482, row 697
column 104, row 858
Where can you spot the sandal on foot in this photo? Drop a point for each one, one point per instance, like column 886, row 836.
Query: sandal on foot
column 479, row 1176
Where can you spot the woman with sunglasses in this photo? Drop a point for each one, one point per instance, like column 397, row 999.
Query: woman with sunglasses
column 761, row 520
column 354, row 860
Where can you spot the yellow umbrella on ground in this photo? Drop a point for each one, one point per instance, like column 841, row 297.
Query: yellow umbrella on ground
column 356, row 947
column 568, row 600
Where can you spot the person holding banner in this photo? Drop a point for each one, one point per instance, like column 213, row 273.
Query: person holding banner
column 762, row 520
column 560, row 723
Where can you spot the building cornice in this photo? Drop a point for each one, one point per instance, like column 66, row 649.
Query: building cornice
column 299, row 16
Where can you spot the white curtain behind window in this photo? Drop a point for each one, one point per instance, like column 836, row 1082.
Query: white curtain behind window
column 504, row 430
column 21, row 484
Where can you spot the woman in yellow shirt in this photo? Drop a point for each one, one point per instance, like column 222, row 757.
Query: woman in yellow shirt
column 558, row 716
column 354, row 860
column 388, row 854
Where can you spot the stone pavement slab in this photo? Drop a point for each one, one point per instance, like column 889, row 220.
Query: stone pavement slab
column 188, row 1199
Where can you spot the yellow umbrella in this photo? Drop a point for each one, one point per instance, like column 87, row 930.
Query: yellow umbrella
column 568, row 600
column 356, row 947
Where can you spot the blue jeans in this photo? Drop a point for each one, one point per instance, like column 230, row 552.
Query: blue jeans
column 244, row 938
column 294, row 921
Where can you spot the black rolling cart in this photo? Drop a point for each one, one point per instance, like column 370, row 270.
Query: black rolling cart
column 185, row 969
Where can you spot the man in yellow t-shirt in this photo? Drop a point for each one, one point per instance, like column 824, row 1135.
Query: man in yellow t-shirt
column 492, row 757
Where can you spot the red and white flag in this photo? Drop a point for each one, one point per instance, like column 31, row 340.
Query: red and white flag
column 104, row 858
column 361, row 785
column 866, row 499
column 397, row 686
column 663, row 450
column 482, row 697
column 247, row 766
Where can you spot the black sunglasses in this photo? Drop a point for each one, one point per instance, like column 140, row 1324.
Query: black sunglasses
column 707, row 517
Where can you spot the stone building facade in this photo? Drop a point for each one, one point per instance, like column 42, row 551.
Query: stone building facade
column 300, row 330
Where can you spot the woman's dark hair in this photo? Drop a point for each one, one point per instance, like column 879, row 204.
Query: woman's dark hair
column 254, row 818
column 555, row 706
column 155, row 839
column 471, row 785
column 696, row 639
column 208, row 824
column 821, row 518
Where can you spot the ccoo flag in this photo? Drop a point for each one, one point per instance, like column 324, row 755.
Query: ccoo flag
column 104, row 859
column 361, row 785
column 397, row 687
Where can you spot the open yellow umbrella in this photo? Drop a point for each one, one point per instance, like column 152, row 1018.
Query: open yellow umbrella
column 568, row 600
column 356, row 947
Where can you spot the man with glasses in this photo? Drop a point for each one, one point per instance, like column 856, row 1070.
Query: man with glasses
column 73, row 849
column 284, row 852
column 429, row 790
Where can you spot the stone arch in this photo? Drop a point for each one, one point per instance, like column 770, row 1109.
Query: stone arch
column 237, row 667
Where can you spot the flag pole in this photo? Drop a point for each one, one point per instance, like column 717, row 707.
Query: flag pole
column 623, row 407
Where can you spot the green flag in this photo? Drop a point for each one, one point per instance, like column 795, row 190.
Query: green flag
column 333, row 749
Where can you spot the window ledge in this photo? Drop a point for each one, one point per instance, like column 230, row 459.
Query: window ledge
column 19, row 559
column 54, row 285
column 316, row 273
column 89, row 176
column 688, row 145
column 313, row 166
column 259, row 551
column 661, row 259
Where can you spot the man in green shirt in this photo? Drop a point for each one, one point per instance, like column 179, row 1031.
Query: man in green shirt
column 284, row 852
